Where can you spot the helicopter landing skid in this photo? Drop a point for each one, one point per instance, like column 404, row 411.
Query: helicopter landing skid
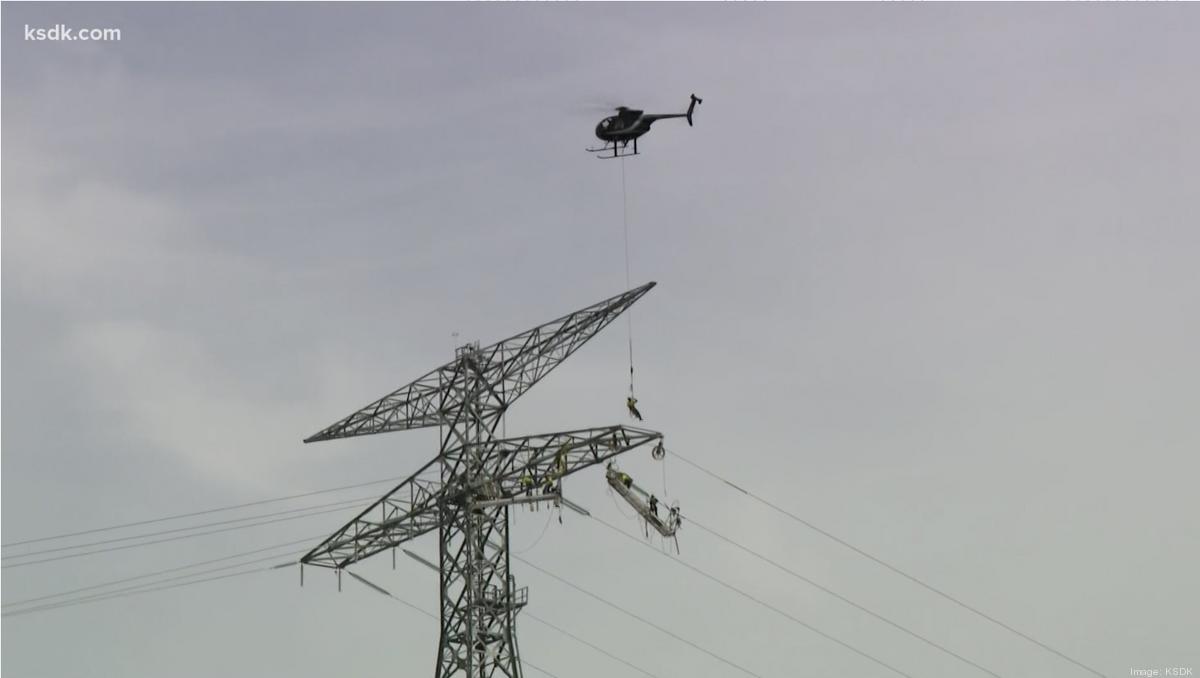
column 607, row 156
column 612, row 150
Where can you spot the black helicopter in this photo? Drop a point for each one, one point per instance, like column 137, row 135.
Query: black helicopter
column 616, row 131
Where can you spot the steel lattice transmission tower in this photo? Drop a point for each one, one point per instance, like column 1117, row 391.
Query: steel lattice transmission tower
column 464, row 493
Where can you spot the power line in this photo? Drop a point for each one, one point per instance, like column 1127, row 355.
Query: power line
column 166, row 584
column 597, row 648
column 202, row 512
column 154, row 586
column 167, row 539
column 137, row 591
column 759, row 601
column 530, row 615
column 552, row 625
column 159, row 572
column 224, row 576
column 704, row 470
column 842, row 598
column 139, row 587
column 887, row 565
column 537, row 668
column 429, row 614
column 339, row 504
column 645, row 621
column 623, row 611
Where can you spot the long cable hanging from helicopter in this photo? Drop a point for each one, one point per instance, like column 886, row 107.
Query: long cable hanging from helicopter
column 632, row 401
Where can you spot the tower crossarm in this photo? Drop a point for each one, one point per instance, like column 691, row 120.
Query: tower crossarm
column 514, row 466
column 535, row 461
column 517, row 363
column 408, row 511
column 415, row 405
column 509, row 368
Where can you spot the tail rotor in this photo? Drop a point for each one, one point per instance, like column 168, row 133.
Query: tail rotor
column 692, row 107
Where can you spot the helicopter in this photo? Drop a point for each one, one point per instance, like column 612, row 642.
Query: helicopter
column 616, row 131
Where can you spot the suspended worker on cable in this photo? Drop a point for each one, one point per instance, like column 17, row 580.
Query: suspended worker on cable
column 631, row 403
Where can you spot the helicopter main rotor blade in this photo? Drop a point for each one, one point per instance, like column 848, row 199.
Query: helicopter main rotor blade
column 594, row 109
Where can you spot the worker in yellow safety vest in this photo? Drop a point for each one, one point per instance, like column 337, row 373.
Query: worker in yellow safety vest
column 631, row 403
column 560, row 460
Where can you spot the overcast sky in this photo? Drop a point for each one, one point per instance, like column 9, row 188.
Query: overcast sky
column 928, row 278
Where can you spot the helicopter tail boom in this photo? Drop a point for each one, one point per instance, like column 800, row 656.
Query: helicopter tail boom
column 692, row 107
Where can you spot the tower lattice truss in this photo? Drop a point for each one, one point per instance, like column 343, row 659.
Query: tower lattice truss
column 465, row 492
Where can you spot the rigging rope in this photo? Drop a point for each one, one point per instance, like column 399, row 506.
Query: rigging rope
column 545, row 527
column 626, row 516
column 666, row 495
